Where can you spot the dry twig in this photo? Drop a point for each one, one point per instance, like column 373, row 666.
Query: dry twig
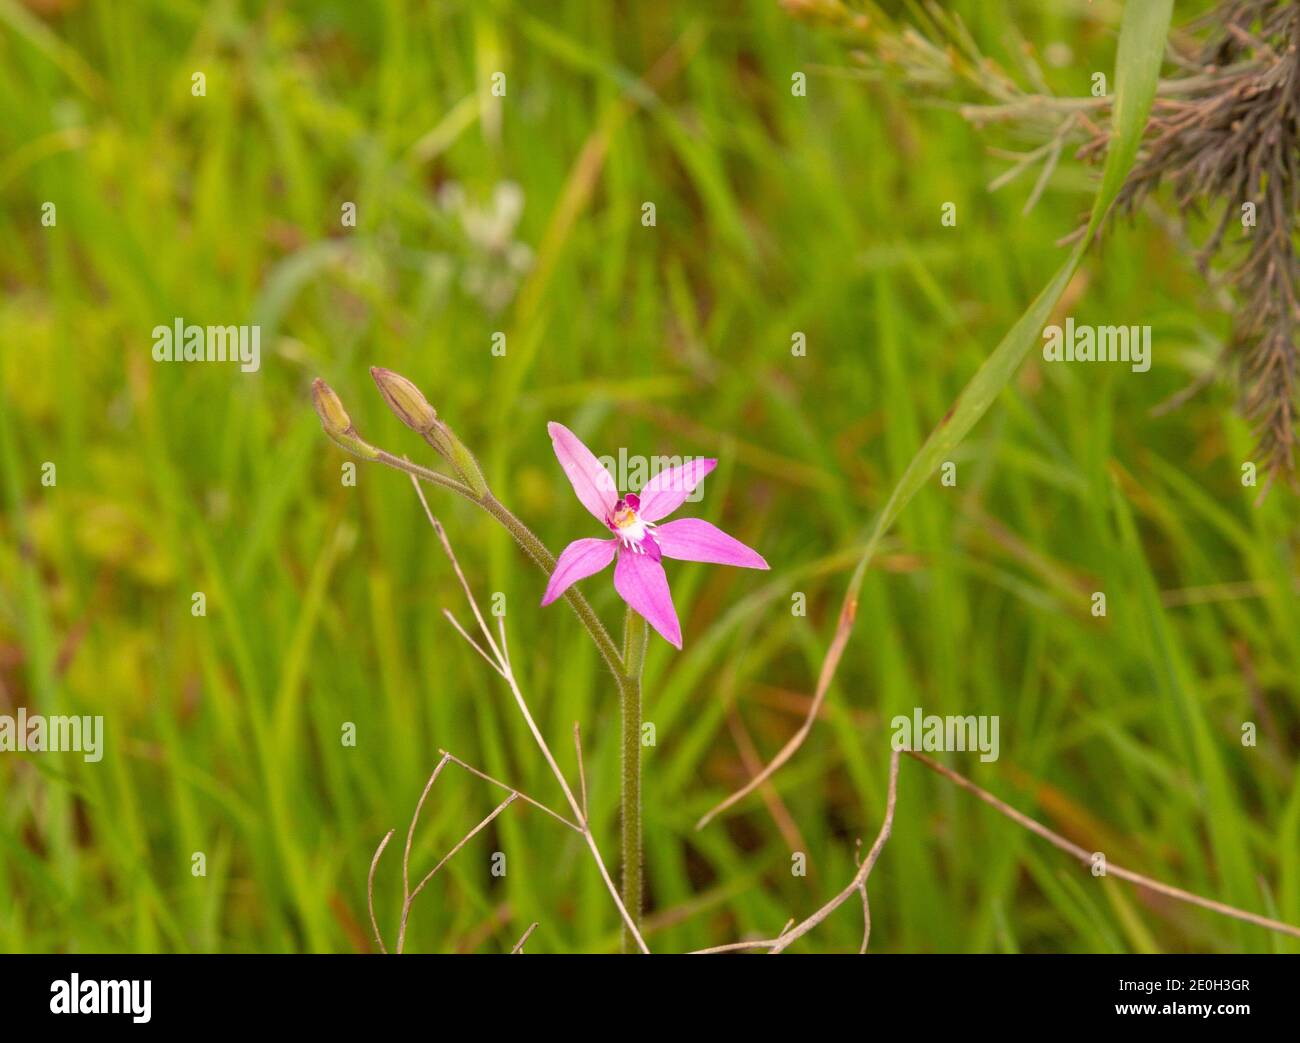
column 858, row 884
column 498, row 657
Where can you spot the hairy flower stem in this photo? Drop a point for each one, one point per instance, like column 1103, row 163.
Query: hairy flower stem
column 635, row 635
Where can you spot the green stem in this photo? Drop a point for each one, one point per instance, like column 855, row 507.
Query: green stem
column 635, row 635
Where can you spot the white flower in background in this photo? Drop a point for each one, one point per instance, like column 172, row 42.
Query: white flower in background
column 494, row 260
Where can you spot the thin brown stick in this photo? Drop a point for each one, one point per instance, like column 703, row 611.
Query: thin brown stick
column 866, row 906
column 866, row 919
column 582, row 771
column 406, row 905
column 370, row 890
column 765, row 943
column 859, row 881
column 469, row 640
column 857, row 884
column 464, row 583
column 410, row 834
column 510, row 789
column 752, row 762
column 519, row 945
column 408, row 894
column 831, row 663
column 463, row 841
column 1058, row 841
column 505, row 646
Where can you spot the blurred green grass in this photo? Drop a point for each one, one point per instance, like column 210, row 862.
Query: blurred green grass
column 774, row 214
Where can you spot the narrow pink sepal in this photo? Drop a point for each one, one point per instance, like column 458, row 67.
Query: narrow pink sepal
column 641, row 582
column 580, row 559
column 667, row 490
column 694, row 539
column 591, row 482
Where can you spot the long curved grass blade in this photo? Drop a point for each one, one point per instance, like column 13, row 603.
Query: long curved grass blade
column 1137, row 67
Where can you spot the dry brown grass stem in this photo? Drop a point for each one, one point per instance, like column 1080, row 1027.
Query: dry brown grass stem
column 858, row 884
column 496, row 652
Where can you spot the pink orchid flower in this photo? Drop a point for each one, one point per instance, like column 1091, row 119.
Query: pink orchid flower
column 639, row 541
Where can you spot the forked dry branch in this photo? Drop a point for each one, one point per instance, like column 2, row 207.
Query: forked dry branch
column 792, row 932
column 497, row 655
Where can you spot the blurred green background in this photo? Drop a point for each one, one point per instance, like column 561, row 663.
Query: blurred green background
column 523, row 214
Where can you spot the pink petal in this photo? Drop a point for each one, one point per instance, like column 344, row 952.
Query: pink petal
column 580, row 559
column 592, row 483
column 666, row 491
column 693, row 539
column 640, row 581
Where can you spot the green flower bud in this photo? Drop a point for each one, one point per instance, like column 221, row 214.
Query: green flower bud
column 405, row 400
column 336, row 422
column 329, row 407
